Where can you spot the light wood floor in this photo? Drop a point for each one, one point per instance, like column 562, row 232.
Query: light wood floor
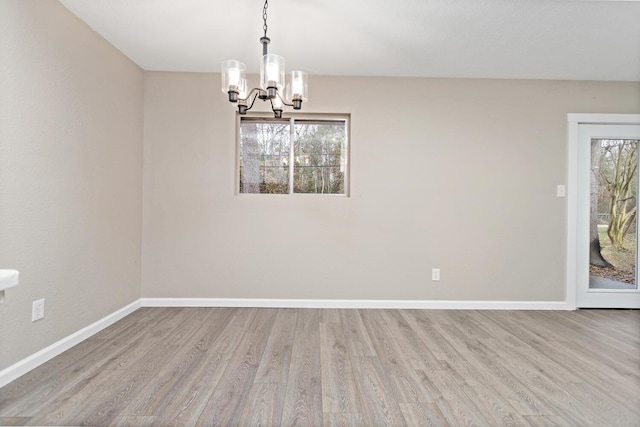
column 247, row 367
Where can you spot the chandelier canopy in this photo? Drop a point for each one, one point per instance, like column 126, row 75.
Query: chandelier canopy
column 272, row 81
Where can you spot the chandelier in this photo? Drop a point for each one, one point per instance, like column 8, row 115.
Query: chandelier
column 272, row 81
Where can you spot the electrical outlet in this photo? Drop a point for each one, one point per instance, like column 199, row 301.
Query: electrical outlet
column 37, row 311
column 561, row 191
column 435, row 274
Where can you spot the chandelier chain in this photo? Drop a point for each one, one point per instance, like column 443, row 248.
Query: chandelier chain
column 264, row 17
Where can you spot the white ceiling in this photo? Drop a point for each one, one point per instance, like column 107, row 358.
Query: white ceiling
column 522, row 39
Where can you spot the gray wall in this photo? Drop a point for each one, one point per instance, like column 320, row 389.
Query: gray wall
column 70, row 175
column 451, row 173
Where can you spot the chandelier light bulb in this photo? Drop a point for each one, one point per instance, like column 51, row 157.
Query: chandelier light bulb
column 234, row 77
column 296, row 87
column 242, row 91
column 272, row 73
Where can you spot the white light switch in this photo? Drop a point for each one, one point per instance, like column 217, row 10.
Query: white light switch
column 37, row 311
column 561, row 191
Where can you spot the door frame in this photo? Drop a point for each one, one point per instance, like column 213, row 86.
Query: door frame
column 574, row 121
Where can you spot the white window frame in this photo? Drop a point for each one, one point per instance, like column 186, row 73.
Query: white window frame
column 346, row 118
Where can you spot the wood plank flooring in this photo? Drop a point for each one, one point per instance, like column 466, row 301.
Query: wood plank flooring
column 316, row 367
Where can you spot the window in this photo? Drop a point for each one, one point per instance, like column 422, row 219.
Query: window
column 296, row 155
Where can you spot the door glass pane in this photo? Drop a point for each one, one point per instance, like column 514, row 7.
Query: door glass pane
column 614, row 188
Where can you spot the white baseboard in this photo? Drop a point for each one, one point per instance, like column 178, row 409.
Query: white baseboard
column 25, row 365
column 335, row 303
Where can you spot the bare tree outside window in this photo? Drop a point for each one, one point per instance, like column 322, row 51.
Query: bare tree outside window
column 319, row 158
column 264, row 157
column 614, row 182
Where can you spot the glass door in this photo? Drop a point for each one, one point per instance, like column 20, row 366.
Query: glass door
column 608, row 223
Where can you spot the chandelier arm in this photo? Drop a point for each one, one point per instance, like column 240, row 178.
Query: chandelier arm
column 283, row 101
column 255, row 96
column 255, row 89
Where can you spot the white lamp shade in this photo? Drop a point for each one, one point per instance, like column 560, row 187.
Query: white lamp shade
column 233, row 74
column 297, row 86
column 272, row 71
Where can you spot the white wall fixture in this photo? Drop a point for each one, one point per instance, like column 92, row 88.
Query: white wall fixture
column 8, row 279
